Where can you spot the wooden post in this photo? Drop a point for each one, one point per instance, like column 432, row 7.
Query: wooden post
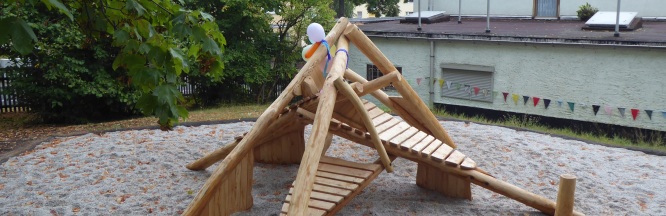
column 213, row 157
column 449, row 184
column 315, row 145
column 565, row 195
column 363, row 89
column 422, row 113
column 346, row 90
column 234, row 193
column 247, row 144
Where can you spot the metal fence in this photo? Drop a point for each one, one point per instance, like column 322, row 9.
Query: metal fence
column 9, row 101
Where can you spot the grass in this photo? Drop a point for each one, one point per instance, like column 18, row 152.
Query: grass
column 657, row 143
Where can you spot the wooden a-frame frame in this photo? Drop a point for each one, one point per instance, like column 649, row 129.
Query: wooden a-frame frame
column 324, row 185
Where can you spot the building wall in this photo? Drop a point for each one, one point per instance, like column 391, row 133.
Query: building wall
column 645, row 8
column 586, row 75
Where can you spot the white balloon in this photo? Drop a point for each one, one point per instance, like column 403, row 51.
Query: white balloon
column 316, row 33
column 305, row 50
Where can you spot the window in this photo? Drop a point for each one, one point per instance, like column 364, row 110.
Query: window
column 471, row 82
column 359, row 14
column 372, row 72
column 409, row 1
column 409, row 13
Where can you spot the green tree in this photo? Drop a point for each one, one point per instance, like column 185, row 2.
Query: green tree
column 156, row 41
column 379, row 8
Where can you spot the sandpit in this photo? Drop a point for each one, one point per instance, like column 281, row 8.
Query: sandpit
column 142, row 172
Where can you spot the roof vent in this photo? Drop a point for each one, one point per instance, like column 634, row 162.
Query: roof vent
column 605, row 20
column 427, row 17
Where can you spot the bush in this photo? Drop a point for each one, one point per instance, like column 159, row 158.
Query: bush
column 586, row 11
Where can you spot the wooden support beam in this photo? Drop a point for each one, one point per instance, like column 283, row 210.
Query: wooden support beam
column 363, row 89
column 313, row 149
column 565, row 195
column 365, row 45
column 384, row 98
column 247, row 144
column 346, row 90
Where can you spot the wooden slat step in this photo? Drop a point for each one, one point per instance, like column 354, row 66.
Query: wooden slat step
column 314, row 203
column 382, row 118
column 340, row 177
column 335, row 183
column 397, row 140
column 468, row 164
column 430, row 149
column 322, row 196
column 375, row 112
column 331, row 190
column 413, row 140
column 394, row 131
column 386, row 125
column 347, row 171
column 441, row 153
column 337, row 161
column 368, row 106
column 416, row 149
column 455, row 158
column 310, row 212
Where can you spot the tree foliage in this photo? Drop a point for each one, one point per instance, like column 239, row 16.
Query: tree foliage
column 154, row 42
column 378, row 8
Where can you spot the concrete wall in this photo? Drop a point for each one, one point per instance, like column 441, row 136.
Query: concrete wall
column 645, row 8
column 590, row 75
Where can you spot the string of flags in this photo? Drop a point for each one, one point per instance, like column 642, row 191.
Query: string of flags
column 475, row 90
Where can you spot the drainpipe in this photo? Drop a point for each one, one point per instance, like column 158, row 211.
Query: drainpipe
column 488, row 16
column 432, row 75
column 459, row 6
column 431, row 5
column 617, row 21
column 419, row 28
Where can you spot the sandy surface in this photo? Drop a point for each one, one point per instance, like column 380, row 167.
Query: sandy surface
column 142, row 172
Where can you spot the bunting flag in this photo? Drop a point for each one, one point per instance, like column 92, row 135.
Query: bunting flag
column 595, row 108
column 525, row 99
column 441, row 83
column 571, row 106
column 418, row 81
column 609, row 110
column 434, row 81
column 649, row 113
column 515, row 98
column 546, row 102
column 476, row 90
column 559, row 103
column 663, row 113
column 582, row 105
column 467, row 88
column 486, row 92
column 458, row 85
column 621, row 111
column 505, row 95
column 495, row 94
column 448, row 84
column 634, row 113
column 536, row 100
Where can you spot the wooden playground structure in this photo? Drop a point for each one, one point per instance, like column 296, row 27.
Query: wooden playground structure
column 324, row 185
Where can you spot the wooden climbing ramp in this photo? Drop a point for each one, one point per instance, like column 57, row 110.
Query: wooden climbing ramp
column 332, row 104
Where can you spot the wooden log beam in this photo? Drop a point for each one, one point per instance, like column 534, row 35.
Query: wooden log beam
column 315, row 145
column 247, row 144
column 565, row 195
column 384, row 99
column 365, row 45
column 363, row 89
column 346, row 90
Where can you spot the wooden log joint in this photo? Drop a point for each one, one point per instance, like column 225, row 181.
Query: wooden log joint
column 565, row 195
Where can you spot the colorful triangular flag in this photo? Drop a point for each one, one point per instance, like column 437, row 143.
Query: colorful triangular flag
column 476, row 90
column 582, row 105
column 649, row 113
column 571, row 105
column 536, row 100
column 515, row 98
column 448, row 84
column 434, row 81
column 467, row 88
column 505, row 95
column 559, row 103
column 595, row 108
column 441, row 83
column 621, row 111
column 458, row 85
column 418, row 81
column 608, row 109
column 663, row 113
column 546, row 102
column 634, row 113
column 525, row 99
